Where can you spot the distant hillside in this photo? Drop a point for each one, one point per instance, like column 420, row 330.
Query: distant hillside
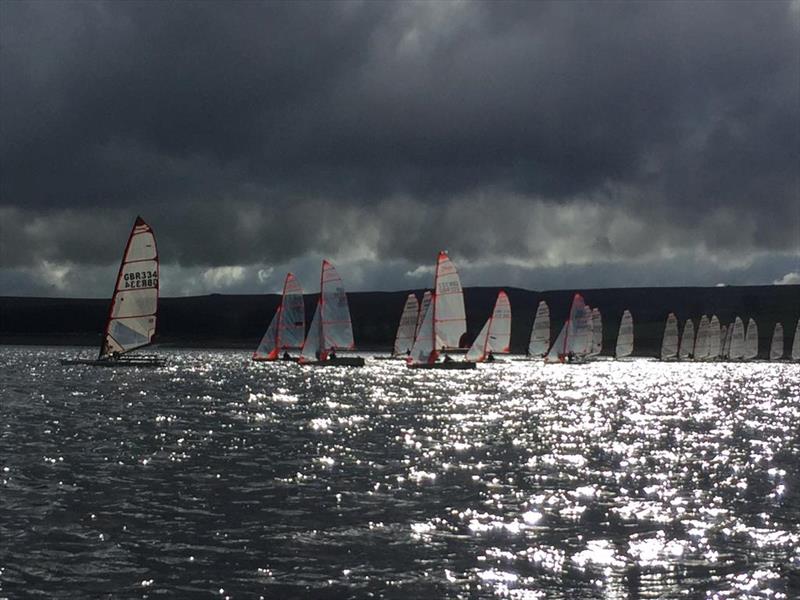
column 239, row 321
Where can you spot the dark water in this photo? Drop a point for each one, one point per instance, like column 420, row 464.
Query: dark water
column 216, row 477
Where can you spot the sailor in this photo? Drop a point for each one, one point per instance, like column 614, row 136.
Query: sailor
column 447, row 358
column 490, row 357
column 286, row 355
column 332, row 355
column 115, row 355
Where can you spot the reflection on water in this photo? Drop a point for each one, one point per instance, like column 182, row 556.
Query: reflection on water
column 219, row 477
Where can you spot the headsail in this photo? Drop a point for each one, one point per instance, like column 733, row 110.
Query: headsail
column 495, row 335
column 131, row 320
column 422, row 352
column 736, row 351
column 407, row 327
column 669, row 344
column 687, row 341
column 625, row 335
column 559, row 348
column 423, row 308
column 312, row 347
column 776, row 346
column 449, row 320
column 723, row 338
column 288, row 326
column 540, row 334
column 751, row 340
column 796, row 342
column 726, row 348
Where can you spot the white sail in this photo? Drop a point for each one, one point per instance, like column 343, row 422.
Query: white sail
column 288, row 325
column 701, row 348
column 776, row 345
column 597, row 332
column 736, row 351
column 558, row 350
column 449, row 321
column 540, row 334
column 407, row 327
column 131, row 320
column 796, row 342
column 423, row 308
column 495, row 336
column 687, row 341
column 751, row 340
column 669, row 343
column 713, row 337
column 423, row 352
column 312, row 347
column 579, row 328
column 723, row 338
column 625, row 335
column 337, row 329
column 726, row 348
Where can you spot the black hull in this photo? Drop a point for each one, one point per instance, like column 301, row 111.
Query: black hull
column 458, row 365
column 122, row 362
column 345, row 361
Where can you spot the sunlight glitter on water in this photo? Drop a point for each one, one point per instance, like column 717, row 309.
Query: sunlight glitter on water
column 515, row 480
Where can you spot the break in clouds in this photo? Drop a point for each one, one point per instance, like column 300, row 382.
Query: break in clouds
column 545, row 145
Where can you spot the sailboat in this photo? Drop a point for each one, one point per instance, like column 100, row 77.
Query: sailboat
column 736, row 350
column 443, row 322
column 796, row 342
column 776, row 345
column 495, row 336
column 407, row 328
column 573, row 341
column 131, row 321
column 540, row 334
column 751, row 340
column 625, row 336
column 597, row 333
column 669, row 343
column 686, row 351
column 331, row 328
column 288, row 326
column 701, row 347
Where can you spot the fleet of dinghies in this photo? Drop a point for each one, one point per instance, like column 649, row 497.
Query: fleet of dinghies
column 715, row 341
column 428, row 331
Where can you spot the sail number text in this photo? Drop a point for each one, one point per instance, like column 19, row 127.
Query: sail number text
column 141, row 279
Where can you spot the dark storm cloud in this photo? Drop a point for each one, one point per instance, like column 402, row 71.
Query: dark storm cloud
column 529, row 135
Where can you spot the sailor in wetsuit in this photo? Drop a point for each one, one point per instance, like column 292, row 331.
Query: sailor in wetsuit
column 286, row 355
column 490, row 357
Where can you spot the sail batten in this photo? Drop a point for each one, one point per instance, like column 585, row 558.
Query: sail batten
column 133, row 311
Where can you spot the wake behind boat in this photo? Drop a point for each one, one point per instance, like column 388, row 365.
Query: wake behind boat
column 131, row 321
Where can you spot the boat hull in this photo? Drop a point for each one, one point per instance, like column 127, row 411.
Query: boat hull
column 343, row 361
column 453, row 365
column 144, row 361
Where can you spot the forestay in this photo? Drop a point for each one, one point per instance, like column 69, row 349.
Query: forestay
column 540, row 334
column 625, row 335
column 404, row 339
column 131, row 319
column 669, row 343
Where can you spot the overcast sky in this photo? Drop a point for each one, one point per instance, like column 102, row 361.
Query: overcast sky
column 561, row 145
